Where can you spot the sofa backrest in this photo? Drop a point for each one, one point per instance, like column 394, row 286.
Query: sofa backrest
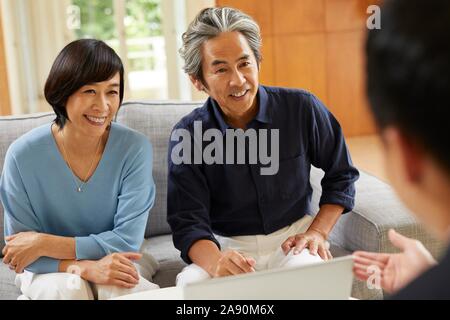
column 156, row 120
column 153, row 119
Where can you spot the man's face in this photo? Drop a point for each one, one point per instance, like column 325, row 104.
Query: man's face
column 230, row 72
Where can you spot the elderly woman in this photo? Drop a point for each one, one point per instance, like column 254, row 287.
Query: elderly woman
column 77, row 192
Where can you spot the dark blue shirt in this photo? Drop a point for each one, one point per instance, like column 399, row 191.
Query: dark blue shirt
column 235, row 199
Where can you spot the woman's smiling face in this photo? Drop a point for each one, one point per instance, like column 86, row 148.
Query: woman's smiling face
column 92, row 107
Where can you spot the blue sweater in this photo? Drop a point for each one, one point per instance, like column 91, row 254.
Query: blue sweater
column 38, row 193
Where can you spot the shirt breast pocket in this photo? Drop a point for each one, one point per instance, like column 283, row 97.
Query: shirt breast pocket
column 292, row 179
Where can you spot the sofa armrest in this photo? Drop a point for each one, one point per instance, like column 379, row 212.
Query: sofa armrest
column 377, row 209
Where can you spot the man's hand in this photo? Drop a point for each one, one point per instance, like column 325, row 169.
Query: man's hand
column 315, row 238
column 311, row 239
column 116, row 269
column 232, row 262
column 396, row 270
column 22, row 249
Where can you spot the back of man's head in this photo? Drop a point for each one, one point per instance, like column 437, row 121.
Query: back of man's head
column 408, row 65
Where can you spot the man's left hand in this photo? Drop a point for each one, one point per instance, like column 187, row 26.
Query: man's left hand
column 21, row 250
column 311, row 239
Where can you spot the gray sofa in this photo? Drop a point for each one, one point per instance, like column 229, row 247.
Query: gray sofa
column 365, row 228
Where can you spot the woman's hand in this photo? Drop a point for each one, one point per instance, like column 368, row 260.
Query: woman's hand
column 22, row 249
column 311, row 239
column 115, row 269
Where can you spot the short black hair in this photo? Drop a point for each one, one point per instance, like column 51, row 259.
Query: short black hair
column 408, row 72
column 80, row 63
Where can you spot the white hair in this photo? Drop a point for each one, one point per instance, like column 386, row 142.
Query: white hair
column 209, row 23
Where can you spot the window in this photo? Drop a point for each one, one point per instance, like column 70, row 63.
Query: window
column 145, row 33
column 134, row 29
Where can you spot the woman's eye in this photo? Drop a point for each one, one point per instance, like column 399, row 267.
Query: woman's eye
column 222, row 70
column 113, row 92
column 245, row 64
column 89, row 91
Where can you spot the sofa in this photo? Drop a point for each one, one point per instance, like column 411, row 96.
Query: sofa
column 365, row 228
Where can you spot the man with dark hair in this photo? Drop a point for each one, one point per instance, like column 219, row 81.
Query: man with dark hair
column 408, row 64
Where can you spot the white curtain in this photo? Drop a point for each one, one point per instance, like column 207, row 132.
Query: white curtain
column 35, row 32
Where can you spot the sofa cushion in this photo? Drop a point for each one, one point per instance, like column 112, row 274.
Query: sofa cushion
column 156, row 120
column 377, row 209
column 8, row 290
column 12, row 128
column 170, row 263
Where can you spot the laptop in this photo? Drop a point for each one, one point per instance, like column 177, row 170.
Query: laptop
column 328, row 280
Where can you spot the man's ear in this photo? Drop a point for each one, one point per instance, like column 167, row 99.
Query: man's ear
column 197, row 83
column 409, row 150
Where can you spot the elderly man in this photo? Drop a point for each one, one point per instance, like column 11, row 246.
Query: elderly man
column 231, row 218
column 408, row 67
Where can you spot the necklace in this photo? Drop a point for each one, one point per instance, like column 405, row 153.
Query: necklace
column 80, row 187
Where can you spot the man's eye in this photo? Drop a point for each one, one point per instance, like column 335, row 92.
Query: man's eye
column 222, row 70
column 114, row 92
column 245, row 64
column 90, row 91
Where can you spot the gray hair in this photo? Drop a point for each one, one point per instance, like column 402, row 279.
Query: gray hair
column 209, row 23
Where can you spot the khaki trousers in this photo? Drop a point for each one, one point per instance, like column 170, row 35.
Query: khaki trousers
column 265, row 249
column 67, row 286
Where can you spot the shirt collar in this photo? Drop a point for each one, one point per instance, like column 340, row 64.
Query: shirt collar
column 264, row 112
column 219, row 117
